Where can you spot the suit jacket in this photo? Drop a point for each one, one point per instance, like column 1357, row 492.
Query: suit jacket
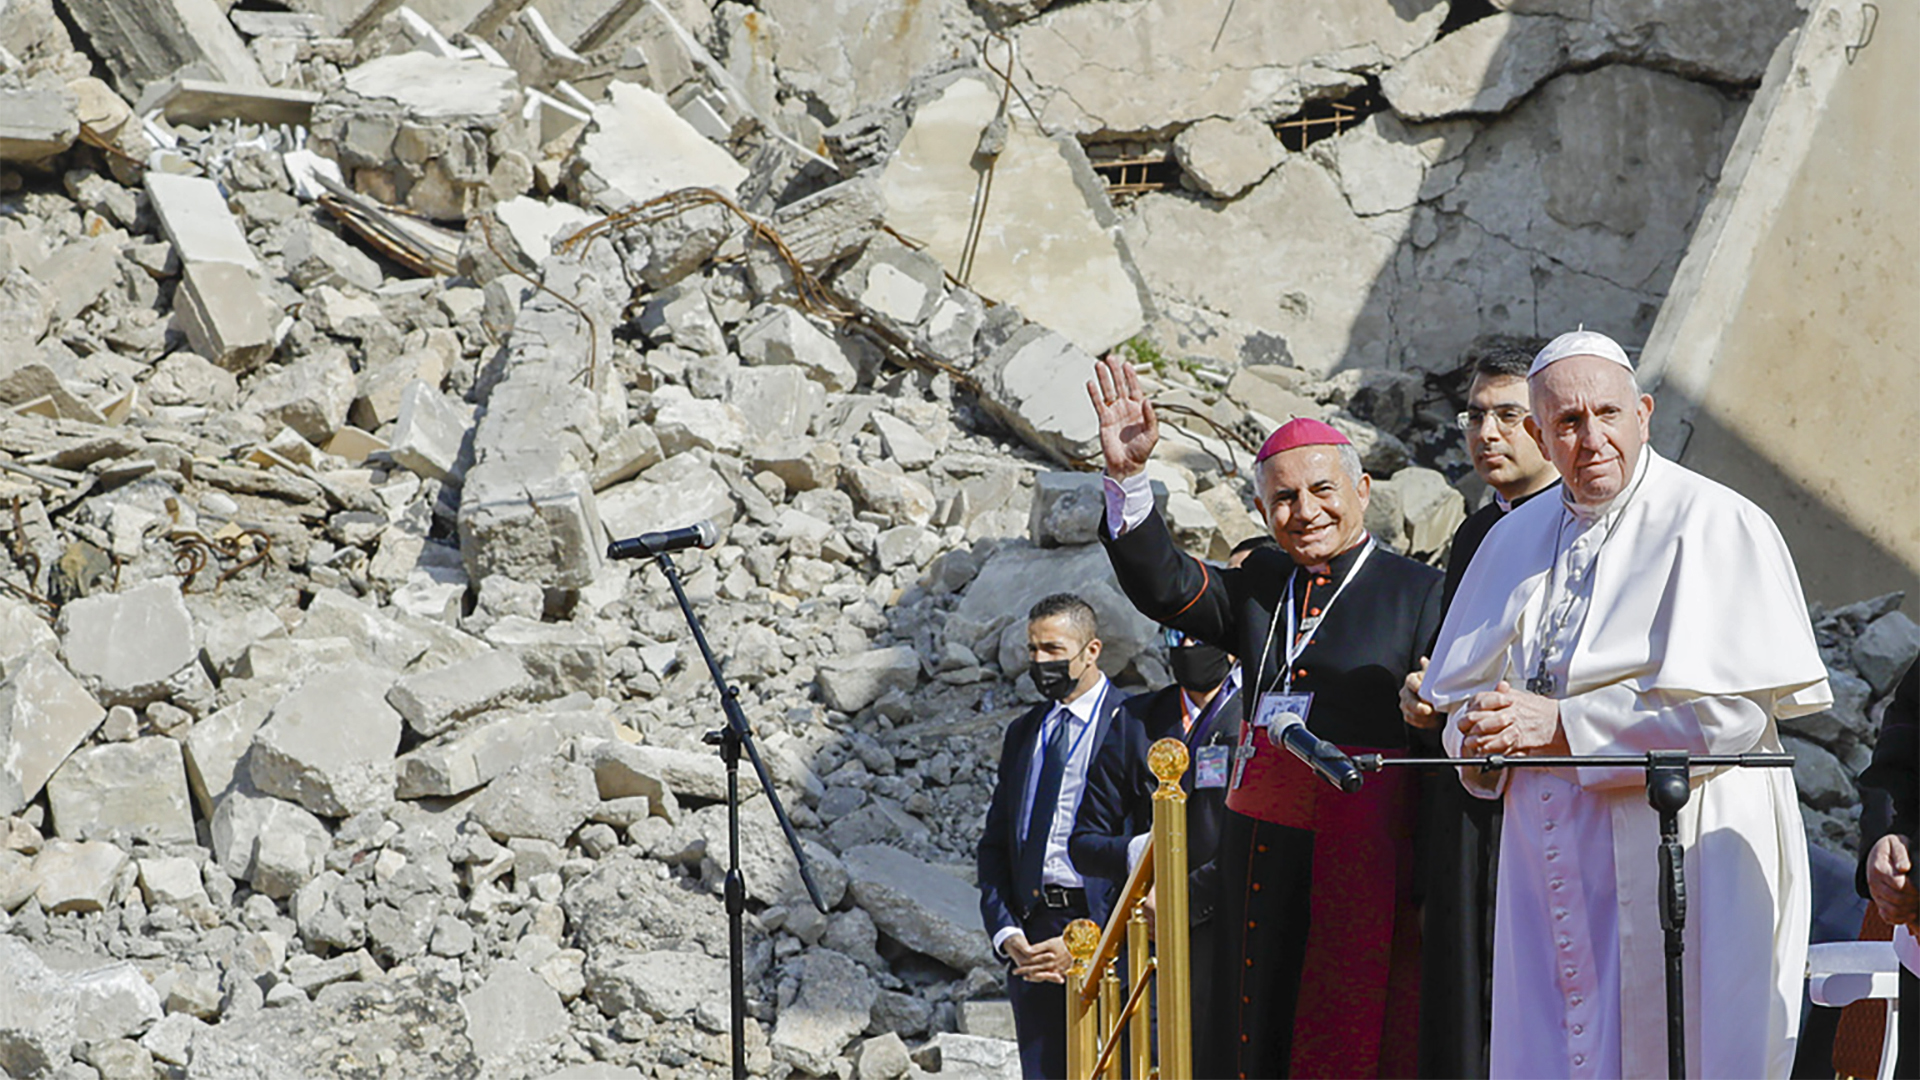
column 1000, row 843
column 1354, row 665
column 1118, row 803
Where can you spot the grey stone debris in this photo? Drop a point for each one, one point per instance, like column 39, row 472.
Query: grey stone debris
column 494, row 744
column 1226, row 157
column 664, row 984
column 329, row 744
column 969, row 1056
column 542, row 799
column 128, row 647
column 45, row 714
column 78, row 876
column 918, row 905
column 134, row 790
column 856, row 682
column 832, row 1003
column 512, row 1010
column 271, row 843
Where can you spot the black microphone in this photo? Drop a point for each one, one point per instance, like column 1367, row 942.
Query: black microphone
column 1328, row 761
column 700, row 534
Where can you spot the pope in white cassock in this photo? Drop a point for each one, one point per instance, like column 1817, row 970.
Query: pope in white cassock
column 1648, row 608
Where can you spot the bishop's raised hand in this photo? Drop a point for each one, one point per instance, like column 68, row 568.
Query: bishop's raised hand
column 1128, row 428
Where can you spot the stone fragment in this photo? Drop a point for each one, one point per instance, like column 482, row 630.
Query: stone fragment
column 1014, row 578
column 1483, row 67
column 112, row 1002
column 1425, row 510
column 185, row 378
column 1226, row 157
column 512, row 1012
column 147, row 43
column 853, row 683
column 202, row 103
column 79, row 876
column 215, row 746
column 683, row 422
column 801, row 464
column 170, row 1040
column 17, row 883
column 45, row 713
column 128, row 647
column 679, row 491
column 1035, row 383
column 37, row 1020
column 36, row 123
column 624, row 457
column 412, row 1025
column 971, row 1056
column 772, row 874
column 172, row 881
column 991, row 1019
column 329, row 745
column 894, row 284
column 315, row 255
column 1068, row 508
column 378, row 636
column 310, row 396
column 660, row 773
column 782, row 335
column 902, row 499
column 432, row 434
column 433, row 701
column 22, row 631
column 1381, row 167
column 267, row 841
column 494, row 744
column 834, row 1003
column 1883, row 652
column 776, row 402
column 1055, row 253
column 542, row 799
column 827, row 226
column 437, row 134
column 529, row 524
column 637, row 148
column 123, row 791
column 560, row 658
column 665, row 985
column 1823, row 783
column 918, row 905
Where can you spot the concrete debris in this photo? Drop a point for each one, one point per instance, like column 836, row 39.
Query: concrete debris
column 327, row 733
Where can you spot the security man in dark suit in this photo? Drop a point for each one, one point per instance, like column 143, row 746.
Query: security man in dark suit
column 1029, row 887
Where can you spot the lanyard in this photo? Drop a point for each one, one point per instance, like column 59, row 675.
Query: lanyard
column 1191, row 726
column 1297, row 640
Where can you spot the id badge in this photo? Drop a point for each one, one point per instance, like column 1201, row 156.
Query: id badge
column 1210, row 766
column 1277, row 711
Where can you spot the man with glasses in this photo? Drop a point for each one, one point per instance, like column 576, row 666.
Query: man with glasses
column 1317, row 951
column 1029, row 886
column 1201, row 709
column 1462, row 834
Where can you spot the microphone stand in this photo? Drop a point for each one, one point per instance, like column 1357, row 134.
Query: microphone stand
column 1668, row 788
column 730, row 741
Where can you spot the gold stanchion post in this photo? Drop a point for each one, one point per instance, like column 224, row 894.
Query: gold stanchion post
column 1109, row 1026
column 1140, row 1034
column 1173, row 975
column 1083, row 940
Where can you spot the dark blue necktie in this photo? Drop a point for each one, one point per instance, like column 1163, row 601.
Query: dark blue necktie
column 1033, row 850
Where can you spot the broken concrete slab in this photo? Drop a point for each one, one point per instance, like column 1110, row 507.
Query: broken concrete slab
column 123, row 791
column 221, row 311
column 918, row 905
column 432, row 434
column 1035, row 383
column 22, row 630
column 439, row 135
column 433, row 702
column 849, row 53
column 638, row 148
column 1226, row 157
column 36, row 124
column 540, row 799
column 852, row 683
column 194, row 215
column 512, row 1012
column 144, row 43
column 129, row 648
column 238, row 832
column 315, row 255
column 45, row 714
column 782, row 335
column 495, row 744
column 329, row 745
column 560, row 658
column 529, row 525
column 1483, row 67
column 667, row 499
column 1188, row 59
column 833, row 1004
column 192, row 102
column 1056, row 252
column 215, row 746
column 1014, row 578
column 383, row 638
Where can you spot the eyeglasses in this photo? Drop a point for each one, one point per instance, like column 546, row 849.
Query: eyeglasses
column 1507, row 417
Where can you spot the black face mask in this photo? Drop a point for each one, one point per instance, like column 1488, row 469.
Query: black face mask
column 1198, row 668
column 1053, row 679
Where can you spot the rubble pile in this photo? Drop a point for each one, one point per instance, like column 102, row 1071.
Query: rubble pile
column 336, row 343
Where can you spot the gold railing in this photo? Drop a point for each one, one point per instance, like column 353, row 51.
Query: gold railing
column 1098, row 1013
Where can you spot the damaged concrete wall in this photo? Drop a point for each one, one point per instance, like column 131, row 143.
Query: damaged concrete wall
column 1784, row 355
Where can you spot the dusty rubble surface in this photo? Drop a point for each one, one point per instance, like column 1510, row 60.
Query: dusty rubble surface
column 334, row 349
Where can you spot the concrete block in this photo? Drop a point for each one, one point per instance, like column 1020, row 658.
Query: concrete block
column 679, row 492
column 310, row 396
column 833, row 223
column 493, row 745
column 330, row 744
column 544, row 800
column 36, row 124
column 194, row 215
column 638, row 147
column 204, row 102
column 78, row 876
column 904, row 500
column 434, row 701
column 175, row 882
column 215, row 746
column 22, row 630
column 560, row 658
column 246, row 817
column 801, row 464
column 852, row 683
column 112, row 1002
column 514, row 1010
column 1036, row 384
column 529, row 524
column 45, row 713
column 147, row 42
column 433, row 435
column 283, row 662
column 377, row 636
column 315, row 255
column 425, row 356
column 36, row 1013
column 123, row 791
column 905, row 445
column 683, row 422
column 777, row 402
column 1226, row 157
column 131, row 647
column 918, row 905
column 220, row 310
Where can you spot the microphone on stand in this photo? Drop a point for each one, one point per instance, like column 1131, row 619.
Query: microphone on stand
column 700, row 534
column 1328, row 762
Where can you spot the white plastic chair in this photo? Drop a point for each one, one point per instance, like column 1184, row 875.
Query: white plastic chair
column 1840, row 973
